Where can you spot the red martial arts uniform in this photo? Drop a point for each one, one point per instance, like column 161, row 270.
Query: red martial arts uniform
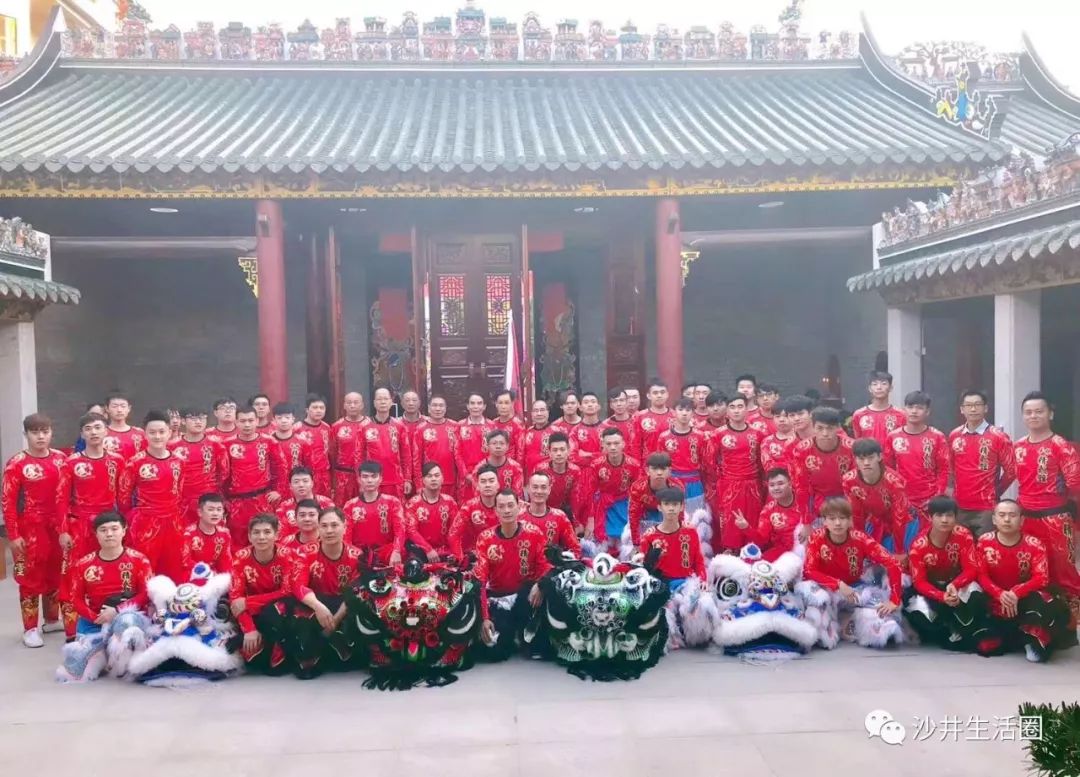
column 317, row 436
column 689, row 452
column 428, row 523
column 223, row 438
column 378, row 525
column 877, row 424
column 817, row 474
column 261, row 586
column 255, row 468
column 626, row 427
column 933, row 568
column 437, row 441
column 286, row 509
column 505, row 564
column 983, row 466
column 556, row 528
column 387, row 442
column 881, row 509
column 775, row 530
column 774, row 452
column 515, row 428
column 828, row 563
column 472, row 519
column 922, row 460
column 125, row 444
column 214, row 549
column 88, row 488
column 1048, row 474
column 150, row 496
column 295, row 452
column 345, row 438
column 765, row 425
column 533, row 449
column 1022, row 568
column 647, row 427
column 411, row 427
column 33, row 512
column 642, row 502
column 95, row 581
column 472, row 446
column 737, row 457
column 509, row 473
column 298, row 545
column 608, row 484
column 568, row 491
column 680, row 552
column 206, row 468
column 321, row 575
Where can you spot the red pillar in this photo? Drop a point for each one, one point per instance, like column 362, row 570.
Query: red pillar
column 669, row 315
column 273, row 340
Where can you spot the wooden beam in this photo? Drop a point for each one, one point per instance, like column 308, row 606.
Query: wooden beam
column 154, row 247
column 315, row 320
column 419, row 320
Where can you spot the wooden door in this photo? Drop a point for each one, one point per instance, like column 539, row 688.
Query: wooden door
column 475, row 288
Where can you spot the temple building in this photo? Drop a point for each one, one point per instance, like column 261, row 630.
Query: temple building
column 405, row 204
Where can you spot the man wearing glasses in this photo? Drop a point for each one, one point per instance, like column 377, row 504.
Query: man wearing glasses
column 982, row 462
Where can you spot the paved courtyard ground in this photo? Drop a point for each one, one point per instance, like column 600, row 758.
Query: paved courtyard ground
column 694, row 714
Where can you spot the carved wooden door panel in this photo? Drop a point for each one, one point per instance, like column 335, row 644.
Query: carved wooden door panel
column 475, row 288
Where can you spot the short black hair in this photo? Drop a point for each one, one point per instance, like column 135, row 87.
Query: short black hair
column 211, row 497
column 558, row 437
column 506, row 492
column 486, row 469
column 268, row 518
column 656, row 383
column 307, row 504
column 736, row 397
column 116, row 395
column 611, row 431
column 260, row 395
column 616, row 392
column 865, row 446
column 331, row 510
column 155, row 415
column 109, row 517
column 982, row 395
column 916, row 399
column 716, row 398
column 689, row 385
column 670, row 496
column 284, row 408
column 428, row 467
column 941, row 504
column 300, row 471
column 1032, row 396
column 508, row 393
column 190, row 411
column 768, row 388
column 371, row 467
column 881, row 375
column 684, row 404
column 89, row 418
column 589, row 394
column 746, row 376
column 797, row 403
column 312, row 398
column 224, row 401
column 566, row 394
column 495, row 433
column 244, row 410
column 658, row 459
column 829, row 416
column 776, row 472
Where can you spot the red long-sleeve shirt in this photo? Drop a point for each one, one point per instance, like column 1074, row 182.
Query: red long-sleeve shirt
column 387, row 442
column 877, row 424
column 584, row 438
column 829, row 563
column 1022, row 568
column 345, row 436
column 509, row 473
column 923, row 461
column 680, row 552
column 568, row 490
column 817, row 474
column 515, row 428
column 1048, row 473
column 556, row 528
column 324, row 576
column 428, row 523
column 255, row 465
column 94, row 581
column 689, row 451
column 505, row 564
column 610, row 483
column 775, row 530
column 472, row 445
column 435, row 441
column 883, row 505
column 31, row 493
column 954, row 562
column 642, row 499
column 736, row 453
column 127, row 443
column 88, row 488
column 774, row 452
column 317, row 436
column 765, row 425
column 206, row 467
column 471, row 521
column 152, row 485
column 626, row 427
column 286, row 509
column 377, row 524
column 224, row 438
column 983, row 466
column 647, row 428
column 295, row 452
column 214, row 549
column 261, row 584
column 533, row 449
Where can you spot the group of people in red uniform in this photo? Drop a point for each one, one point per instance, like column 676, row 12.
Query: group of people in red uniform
column 251, row 495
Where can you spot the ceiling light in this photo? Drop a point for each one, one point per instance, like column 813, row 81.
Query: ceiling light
column 164, row 210
column 586, row 209
column 771, row 204
column 352, row 210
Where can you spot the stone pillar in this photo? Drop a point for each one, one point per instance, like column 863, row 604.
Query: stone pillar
column 903, row 325
column 273, row 337
column 1017, row 352
column 18, row 383
column 669, row 312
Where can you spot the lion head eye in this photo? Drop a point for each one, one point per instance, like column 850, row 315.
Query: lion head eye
column 728, row 588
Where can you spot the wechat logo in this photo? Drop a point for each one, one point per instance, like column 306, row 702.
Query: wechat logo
column 881, row 724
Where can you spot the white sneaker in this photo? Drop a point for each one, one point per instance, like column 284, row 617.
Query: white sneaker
column 52, row 627
column 32, row 638
column 1032, row 655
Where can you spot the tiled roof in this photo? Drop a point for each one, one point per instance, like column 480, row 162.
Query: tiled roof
column 1034, row 126
column 1026, row 246
column 35, row 290
column 95, row 119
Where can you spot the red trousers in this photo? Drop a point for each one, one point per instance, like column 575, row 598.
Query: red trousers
column 1056, row 533
column 735, row 496
column 346, row 486
column 37, row 573
column 322, row 483
column 159, row 538
column 241, row 511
